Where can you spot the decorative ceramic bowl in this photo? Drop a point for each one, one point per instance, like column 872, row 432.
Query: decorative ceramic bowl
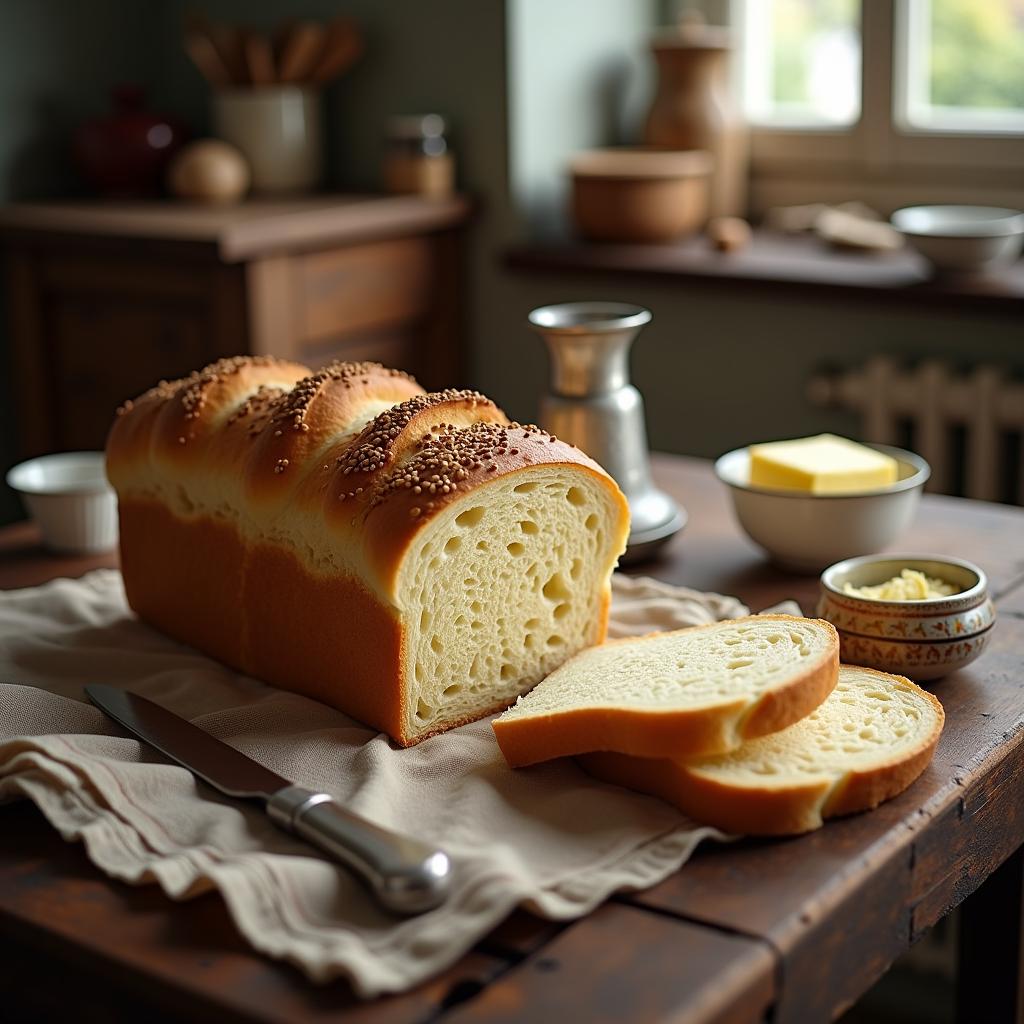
column 962, row 238
column 805, row 532
column 920, row 639
column 69, row 497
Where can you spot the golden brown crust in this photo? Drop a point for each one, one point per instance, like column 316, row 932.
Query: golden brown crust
column 171, row 421
column 643, row 734
column 325, row 637
column 322, row 408
column 786, row 810
column 657, row 733
column 185, row 578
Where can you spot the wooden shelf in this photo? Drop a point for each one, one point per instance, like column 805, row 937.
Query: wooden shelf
column 775, row 261
column 239, row 232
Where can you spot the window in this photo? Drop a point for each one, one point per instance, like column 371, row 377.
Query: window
column 895, row 102
column 963, row 66
column 801, row 62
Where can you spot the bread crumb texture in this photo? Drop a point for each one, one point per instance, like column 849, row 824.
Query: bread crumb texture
column 869, row 720
column 689, row 668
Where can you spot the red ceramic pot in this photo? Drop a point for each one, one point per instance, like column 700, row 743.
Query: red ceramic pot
column 125, row 154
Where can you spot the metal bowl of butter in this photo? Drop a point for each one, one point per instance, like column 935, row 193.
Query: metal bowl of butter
column 921, row 616
column 842, row 510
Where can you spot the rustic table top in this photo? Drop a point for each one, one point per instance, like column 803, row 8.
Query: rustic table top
column 795, row 928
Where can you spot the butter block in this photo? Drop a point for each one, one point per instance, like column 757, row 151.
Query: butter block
column 825, row 464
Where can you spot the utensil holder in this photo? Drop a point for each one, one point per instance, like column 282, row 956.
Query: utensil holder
column 279, row 129
column 593, row 405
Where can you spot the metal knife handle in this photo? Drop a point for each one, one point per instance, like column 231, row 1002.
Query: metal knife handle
column 406, row 876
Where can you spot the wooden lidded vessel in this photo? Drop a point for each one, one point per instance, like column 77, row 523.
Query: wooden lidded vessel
column 692, row 108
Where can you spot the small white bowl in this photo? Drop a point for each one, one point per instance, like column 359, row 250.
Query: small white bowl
column 68, row 496
column 806, row 532
column 962, row 238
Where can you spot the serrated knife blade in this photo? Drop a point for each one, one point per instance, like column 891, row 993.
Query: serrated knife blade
column 406, row 875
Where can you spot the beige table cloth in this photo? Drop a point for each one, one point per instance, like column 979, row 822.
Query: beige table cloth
column 547, row 838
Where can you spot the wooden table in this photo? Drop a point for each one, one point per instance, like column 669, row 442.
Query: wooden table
column 792, row 929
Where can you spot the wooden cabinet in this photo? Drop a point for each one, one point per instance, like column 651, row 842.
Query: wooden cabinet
column 106, row 299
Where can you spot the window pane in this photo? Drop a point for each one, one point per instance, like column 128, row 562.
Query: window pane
column 964, row 65
column 802, row 61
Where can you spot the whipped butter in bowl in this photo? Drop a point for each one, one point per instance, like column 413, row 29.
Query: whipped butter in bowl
column 921, row 616
column 910, row 585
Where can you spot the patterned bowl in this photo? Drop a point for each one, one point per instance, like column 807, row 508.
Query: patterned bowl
column 920, row 639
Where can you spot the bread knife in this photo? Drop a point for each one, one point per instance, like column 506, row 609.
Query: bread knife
column 405, row 875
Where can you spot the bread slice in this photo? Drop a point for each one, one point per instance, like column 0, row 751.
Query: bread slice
column 869, row 740
column 693, row 691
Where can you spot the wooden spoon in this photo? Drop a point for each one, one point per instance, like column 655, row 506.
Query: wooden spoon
column 228, row 40
column 205, row 56
column 259, row 58
column 301, row 51
column 341, row 49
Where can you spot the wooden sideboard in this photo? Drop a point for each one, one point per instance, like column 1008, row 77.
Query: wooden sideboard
column 104, row 299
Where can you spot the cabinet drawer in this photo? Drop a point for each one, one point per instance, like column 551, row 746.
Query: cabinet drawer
column 362, row 287
column 105, row 352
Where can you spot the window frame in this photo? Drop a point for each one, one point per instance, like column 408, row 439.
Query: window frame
column 879, row 159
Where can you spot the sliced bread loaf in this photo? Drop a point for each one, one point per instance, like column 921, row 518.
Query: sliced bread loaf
column 869, row 740
column 689, row 692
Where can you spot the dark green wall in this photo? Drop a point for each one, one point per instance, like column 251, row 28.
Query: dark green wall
column 58, row 61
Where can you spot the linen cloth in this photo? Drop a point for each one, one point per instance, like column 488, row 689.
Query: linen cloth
column 547, row 838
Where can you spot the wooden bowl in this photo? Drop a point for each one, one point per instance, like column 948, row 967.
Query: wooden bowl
column 640, row 195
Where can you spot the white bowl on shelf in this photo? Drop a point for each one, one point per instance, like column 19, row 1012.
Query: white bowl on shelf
column 806, row 532
column 962, row 238
column 68, row 496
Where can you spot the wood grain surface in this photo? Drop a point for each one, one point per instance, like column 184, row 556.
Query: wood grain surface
column 795, row 929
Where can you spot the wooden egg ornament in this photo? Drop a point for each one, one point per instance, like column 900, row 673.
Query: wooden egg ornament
column 209, row 171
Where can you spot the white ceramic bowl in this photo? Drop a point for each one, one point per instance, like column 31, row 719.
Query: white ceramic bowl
column 962, row 238
column 923, row 639
column 69, row 497
column 806, row 532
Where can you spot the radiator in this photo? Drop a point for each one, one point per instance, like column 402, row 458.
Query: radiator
column 969, row 426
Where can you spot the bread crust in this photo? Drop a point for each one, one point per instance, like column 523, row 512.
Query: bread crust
column 688, row 732
column 787, row 810
column 769, row 810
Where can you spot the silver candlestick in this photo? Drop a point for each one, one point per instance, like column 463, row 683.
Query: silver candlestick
column 593, row 405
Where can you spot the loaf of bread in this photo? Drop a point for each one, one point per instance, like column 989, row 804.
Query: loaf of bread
column 412, row 559
column 690, row 691
column 869, row 740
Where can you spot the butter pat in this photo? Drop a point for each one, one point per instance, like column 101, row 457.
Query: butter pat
column 910, row 585
column 825, row 464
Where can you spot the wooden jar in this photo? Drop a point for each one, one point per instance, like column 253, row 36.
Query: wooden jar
column 692, row 109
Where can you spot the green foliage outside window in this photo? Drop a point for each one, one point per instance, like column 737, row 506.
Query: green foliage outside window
column 977, row 54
